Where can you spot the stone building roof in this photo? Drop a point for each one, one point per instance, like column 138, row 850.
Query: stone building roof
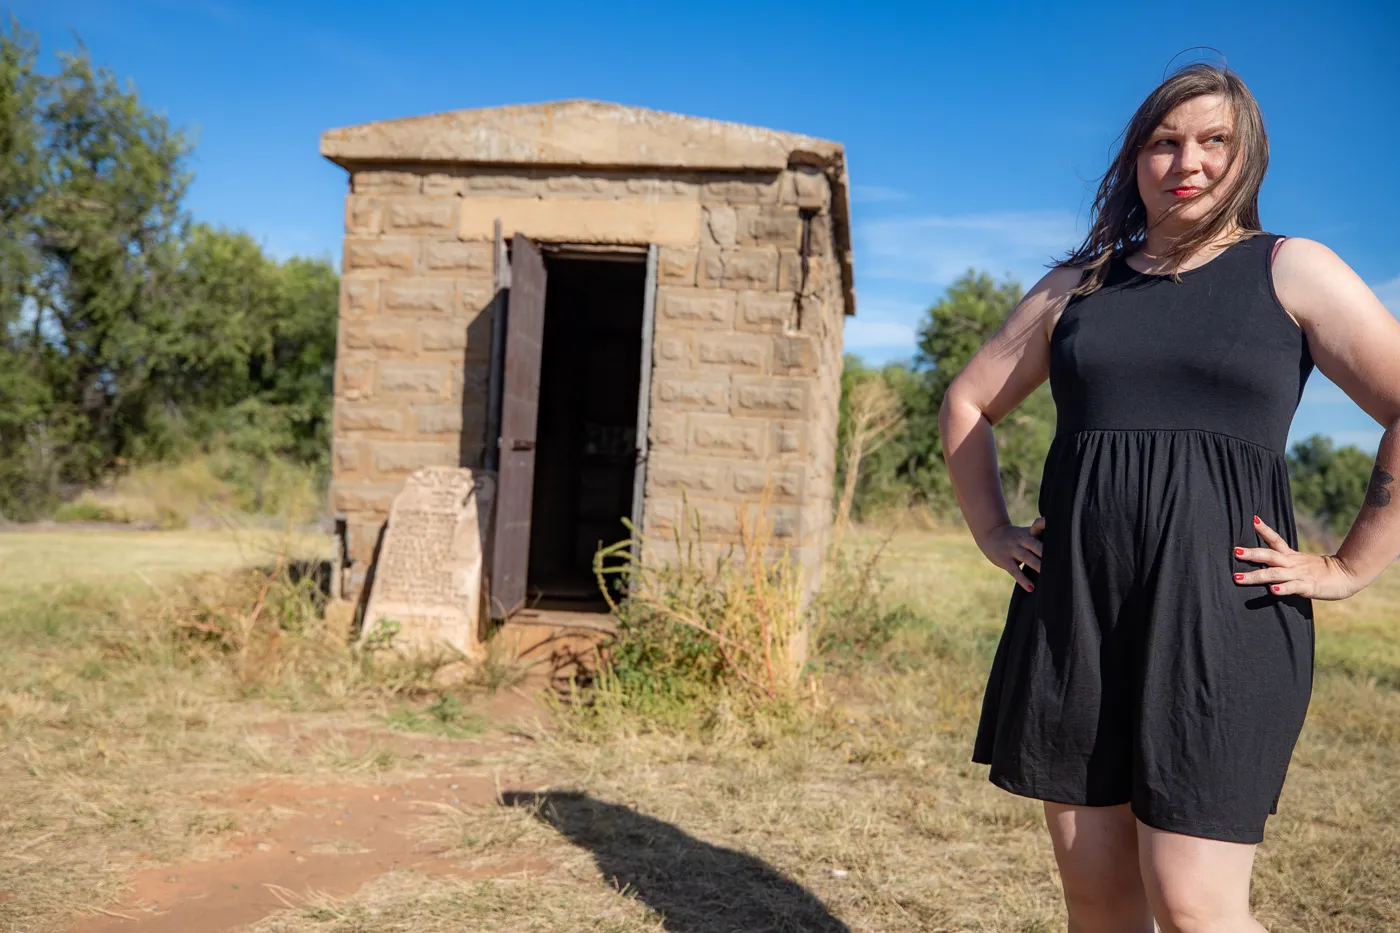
column 598, row 135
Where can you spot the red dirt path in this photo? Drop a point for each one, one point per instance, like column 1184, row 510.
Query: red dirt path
column 320, row 839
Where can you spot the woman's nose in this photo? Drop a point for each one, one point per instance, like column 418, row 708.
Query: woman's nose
column 1188, row 159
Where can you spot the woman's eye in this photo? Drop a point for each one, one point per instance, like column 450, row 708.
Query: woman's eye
column 1218, row 140
column 1165, row 142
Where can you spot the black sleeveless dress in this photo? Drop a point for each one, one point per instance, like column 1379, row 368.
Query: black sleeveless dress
column 1138, row 671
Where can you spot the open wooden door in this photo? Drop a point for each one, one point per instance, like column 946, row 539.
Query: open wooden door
column 520, row 402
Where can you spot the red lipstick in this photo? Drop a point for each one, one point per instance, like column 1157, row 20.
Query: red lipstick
column 1185, row 191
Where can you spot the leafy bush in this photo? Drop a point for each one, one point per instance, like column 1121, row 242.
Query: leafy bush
column 1329, row 482
column 88, row 508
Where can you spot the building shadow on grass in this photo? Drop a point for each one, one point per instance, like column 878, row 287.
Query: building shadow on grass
column 695, row 886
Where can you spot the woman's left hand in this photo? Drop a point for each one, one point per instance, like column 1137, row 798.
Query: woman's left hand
column 1293, row 572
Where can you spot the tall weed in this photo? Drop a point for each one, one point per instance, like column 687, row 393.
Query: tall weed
column 696, row 620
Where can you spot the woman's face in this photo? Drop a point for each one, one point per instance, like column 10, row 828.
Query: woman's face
column 1186, row 160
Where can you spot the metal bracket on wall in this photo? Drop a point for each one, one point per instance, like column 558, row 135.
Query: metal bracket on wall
column 807, row 216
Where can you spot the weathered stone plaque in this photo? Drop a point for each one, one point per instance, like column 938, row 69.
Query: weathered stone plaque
column 428, row 580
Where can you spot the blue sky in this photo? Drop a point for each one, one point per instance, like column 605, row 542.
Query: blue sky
column 975, row 132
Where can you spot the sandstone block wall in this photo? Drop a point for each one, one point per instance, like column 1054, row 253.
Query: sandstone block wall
column 747, row 347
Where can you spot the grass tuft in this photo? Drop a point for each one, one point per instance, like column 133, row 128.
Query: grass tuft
column 444, row 716
column 692, row 626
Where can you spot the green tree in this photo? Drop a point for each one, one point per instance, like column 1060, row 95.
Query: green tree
column 1329, row 482
column 28, row 474
column 280, row 405
column 965, row 318
column 21, row 174
column 108, row 223
column 297, row 374
column 126, row 331
column 910, row 468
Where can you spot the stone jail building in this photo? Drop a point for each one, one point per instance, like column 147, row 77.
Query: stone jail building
column 611, row 306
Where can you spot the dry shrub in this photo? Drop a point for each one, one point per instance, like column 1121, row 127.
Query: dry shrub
column 1314, row 535
column 703, row 620
column 852, row 624
column 266, row 628
column 876, row 417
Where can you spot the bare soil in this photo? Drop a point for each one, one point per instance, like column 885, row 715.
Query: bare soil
column 306, row 839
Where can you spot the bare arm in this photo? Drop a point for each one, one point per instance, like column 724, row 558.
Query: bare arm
column 999, row 377
column 1355, row 342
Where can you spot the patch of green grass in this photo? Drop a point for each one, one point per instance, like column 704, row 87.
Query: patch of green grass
column 1359, row 656
column 85, row 509
column 445, row 716
column 1359, row 638
column 132, row 562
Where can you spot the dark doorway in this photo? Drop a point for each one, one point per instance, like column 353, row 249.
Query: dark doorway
column 586, row 434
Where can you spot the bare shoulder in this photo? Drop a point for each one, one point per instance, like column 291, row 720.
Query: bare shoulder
column 1047, row 299
column 1353, row 338
column 1313, row 283
column 1058, row 283
column 1300, row 260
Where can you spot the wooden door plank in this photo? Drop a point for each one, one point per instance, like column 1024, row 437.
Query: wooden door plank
column 510, row 563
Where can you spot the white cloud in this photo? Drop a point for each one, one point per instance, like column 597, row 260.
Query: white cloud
column 283, row 243
column 936, row 249
column 862, row 333
column 885, row 327
column 1389, row 294
column 1366, row 440
column 903, row 263
column 876, row 194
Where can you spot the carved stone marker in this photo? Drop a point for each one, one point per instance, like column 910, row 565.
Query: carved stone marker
column 428, row 578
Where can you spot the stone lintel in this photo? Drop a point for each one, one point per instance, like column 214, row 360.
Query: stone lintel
column 581, row 220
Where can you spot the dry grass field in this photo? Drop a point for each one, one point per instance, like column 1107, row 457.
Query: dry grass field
column 62, row 557
column 148, row 778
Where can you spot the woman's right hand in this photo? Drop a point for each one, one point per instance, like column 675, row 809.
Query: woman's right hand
column 1009, row 546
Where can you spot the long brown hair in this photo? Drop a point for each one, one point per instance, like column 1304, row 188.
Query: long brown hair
column 1120, row 218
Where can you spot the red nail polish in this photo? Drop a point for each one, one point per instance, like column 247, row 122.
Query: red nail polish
column 1239, row 552
column 1256, row 519
column 1030, row 588
column 1238, row 577
column 1274, row 588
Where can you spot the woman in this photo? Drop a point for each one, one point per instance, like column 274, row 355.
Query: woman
column 1157, row 659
